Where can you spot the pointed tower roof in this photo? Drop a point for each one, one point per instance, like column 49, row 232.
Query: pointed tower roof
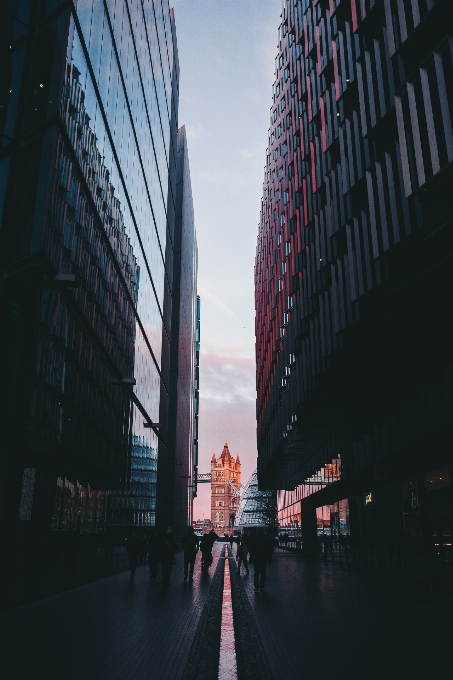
column 226, row 452
column 213, row 457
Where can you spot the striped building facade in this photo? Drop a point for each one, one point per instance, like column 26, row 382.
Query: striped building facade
column 352, row 280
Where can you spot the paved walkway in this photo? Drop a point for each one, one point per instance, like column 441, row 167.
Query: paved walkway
column 313, row 621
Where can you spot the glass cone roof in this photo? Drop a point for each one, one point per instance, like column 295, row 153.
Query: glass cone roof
column 257, row 508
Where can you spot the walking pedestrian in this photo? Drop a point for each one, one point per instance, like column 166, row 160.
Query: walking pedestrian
column 190, row 544
column 231, row 539
column 132, row 549
column 206, row 552
column 242, row 554
column 153, row 554
column 167, row 555
column 260, row 554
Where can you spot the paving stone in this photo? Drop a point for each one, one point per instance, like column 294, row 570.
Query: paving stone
column 111, row 628
column 313, row 621
column 320, row 621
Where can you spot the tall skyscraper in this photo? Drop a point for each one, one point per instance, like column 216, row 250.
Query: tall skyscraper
column 88, row 187
column 176, row 456
column 353, row 319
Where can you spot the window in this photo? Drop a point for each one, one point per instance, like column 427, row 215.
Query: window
column 289, row 304
column 281, row 219
column 288, row 243
column 277, row 195
column 280, row 285
column 279, row 239
column 280, row 173
column 282, row 104
column 283, row 267
column 277, row 90
column 285, row 199
column 286, row 73
column 283, row 150
column 278, row 132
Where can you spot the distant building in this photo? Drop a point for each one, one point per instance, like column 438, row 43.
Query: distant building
column 203, row 525
column 257, row 509
column 225, row 489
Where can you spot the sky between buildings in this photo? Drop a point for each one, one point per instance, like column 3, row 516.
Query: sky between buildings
column 226, row 50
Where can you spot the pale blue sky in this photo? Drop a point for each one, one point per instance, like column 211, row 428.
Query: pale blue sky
column 226, row 50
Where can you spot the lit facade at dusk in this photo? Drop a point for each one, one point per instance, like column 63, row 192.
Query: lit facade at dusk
column 350, row 278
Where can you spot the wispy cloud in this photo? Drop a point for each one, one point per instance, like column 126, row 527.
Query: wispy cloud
column 194, row 131
column 232, row 179
column 207, row 296
column 257, row 153
column 227, row 381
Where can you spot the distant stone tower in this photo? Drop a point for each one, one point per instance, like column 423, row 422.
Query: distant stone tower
column 224, row 501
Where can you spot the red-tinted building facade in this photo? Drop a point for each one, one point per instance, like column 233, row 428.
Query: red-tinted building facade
column 353, row 345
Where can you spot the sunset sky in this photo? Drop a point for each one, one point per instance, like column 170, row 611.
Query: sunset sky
column 226, row 52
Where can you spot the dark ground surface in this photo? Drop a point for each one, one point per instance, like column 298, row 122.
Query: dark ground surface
column 313, row 621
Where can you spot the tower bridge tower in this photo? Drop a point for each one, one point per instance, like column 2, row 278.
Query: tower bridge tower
column 224, row 500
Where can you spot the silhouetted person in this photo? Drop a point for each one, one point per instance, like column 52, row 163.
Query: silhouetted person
column 168, row 549
column 206, row 552
column 153, row 554
column 260, row 553
column 132, row 549
column 190, row 545
column 242, row 554
column 231, row 541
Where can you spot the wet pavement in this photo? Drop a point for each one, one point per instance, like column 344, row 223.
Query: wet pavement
column 313, row 621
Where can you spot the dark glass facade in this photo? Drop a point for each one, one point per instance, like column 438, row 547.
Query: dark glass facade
column 88, row 169
column 176, row 462
column 353, row 321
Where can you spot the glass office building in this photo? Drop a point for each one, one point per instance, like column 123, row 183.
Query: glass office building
column 176, row 465
column 257, row 509
column 352, row 290
column 88, row 172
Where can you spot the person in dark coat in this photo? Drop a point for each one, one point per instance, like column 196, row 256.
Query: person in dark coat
column 190, row 544
column 231, row 539
column 167, row 555
column 206, row 552
column 242, row 554
column 132, row 549
column 153, row 554
column 260, row 554
column 212, row 537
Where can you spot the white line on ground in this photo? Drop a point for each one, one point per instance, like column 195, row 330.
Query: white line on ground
column 227, row 660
